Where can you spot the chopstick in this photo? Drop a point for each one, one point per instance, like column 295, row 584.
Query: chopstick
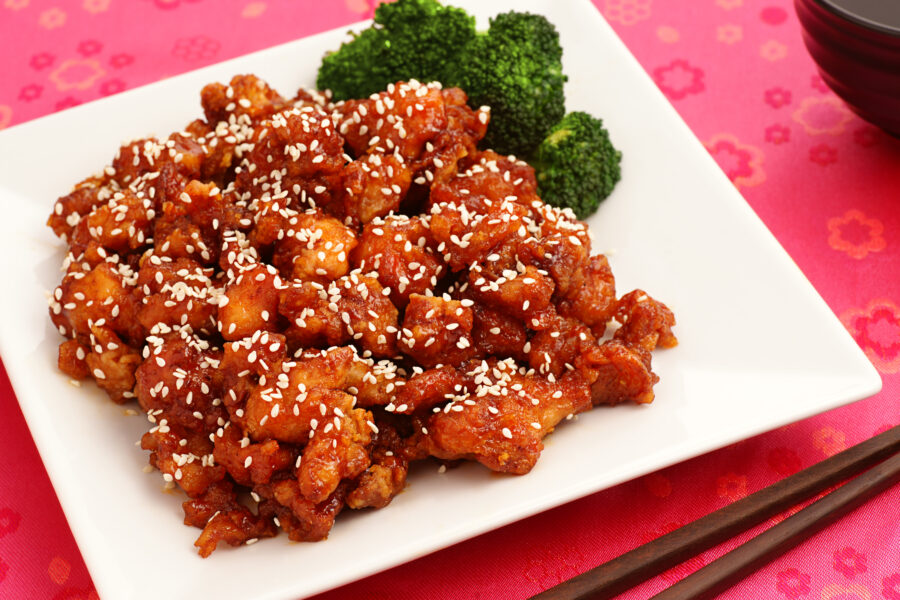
column 723, row 572
column 642, row 563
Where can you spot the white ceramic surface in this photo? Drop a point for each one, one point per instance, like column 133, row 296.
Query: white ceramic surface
column 759, row 348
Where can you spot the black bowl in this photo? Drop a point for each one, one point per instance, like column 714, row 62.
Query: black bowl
column 856, row 45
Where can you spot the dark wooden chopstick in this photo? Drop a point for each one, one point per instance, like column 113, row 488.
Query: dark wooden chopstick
column 727, row 570
column 649, row 560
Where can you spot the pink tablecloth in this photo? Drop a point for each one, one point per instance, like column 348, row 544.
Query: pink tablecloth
column 825, row 182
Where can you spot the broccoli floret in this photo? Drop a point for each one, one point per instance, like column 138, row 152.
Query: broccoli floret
column 516, row 69
column 411, row 39
column 576, row 164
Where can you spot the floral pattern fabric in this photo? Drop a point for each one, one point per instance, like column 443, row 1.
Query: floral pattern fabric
column 825, row 182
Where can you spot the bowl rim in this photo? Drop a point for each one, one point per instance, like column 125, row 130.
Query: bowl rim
column 856, row 19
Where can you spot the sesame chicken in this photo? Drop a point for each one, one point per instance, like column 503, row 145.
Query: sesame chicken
column 305, row 298
column 401, row 251
column 250, row 303
column 314, row 247
column 437, row 330
column 502, row 415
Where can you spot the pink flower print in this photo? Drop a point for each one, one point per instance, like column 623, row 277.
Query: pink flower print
column 742, row 163
column 253, row 10
column 792, row 583
column 171, row 4
column 778, row 134
column 829, row 440
column 823, row 154
column 95, row 6
column 118, row 61
column 777, row 97
column 729, row 34
column 59, row 570
column 9, row 521
column 773, row 15
column 667, row 34
column 79, row 74
column 729, row 4
column 30, row 92
column 89, row 48
column 52, row 18
column 856, row 234
column 548, row 568
column 5, row 116
column 731, row 486
column 850, row 591
column 67, row 102
column 849, row 562
column 16, row 4
column 627, row 12
column 890, row 587
column 679, row 78
column 773, row 50
column 112, row 86
column 41, row 61
column 818, row 84
column 196, row 48
column 820, row 115
column 876, row 328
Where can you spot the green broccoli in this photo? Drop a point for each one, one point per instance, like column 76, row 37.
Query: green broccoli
column 576, row 165
column 516, row 69
column 411, row 39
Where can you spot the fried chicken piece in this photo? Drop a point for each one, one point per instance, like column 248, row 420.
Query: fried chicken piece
column 645, row 322
column 179, row 380
column 112, row 363
column 620, row 373
column 250, row 463
column 497, row 333
column 298, row 396
column 71, row 360
column 336, row 451
column 467, row 237
column 353, row 307
column 189, row 225
column 234, row 527
column 373, row 186
column 303, row 520
column 502, row 417
column 68, row 210
column 123, row 224
column 561, row 247
column 517, row 293
column 244, row 95
column 101, row 295
column 177, row 292
column 289, row 150
column 595, row 303
column 386, row 476
column 313, row 247
column 183, row 457
column 427, row 389
column 437, row 330
column 250, row 303
column 557, row 343
column 404, row 117
column 400, row 250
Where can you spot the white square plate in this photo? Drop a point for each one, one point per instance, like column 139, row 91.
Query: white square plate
column 759, row 348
